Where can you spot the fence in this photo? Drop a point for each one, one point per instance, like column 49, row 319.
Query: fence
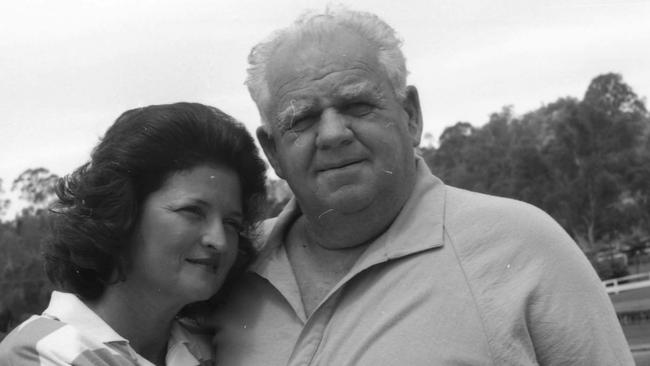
column 632, row 282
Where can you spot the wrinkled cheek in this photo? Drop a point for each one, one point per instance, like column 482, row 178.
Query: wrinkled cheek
column 298, row 140
column 389, row 124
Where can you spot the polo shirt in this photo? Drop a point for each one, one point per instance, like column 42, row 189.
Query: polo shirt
column 70, row 333
column 459, row 278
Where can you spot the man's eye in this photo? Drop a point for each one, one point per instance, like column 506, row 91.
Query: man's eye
column 358, row 109
column 301, row 123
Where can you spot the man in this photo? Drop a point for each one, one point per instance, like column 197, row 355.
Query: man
column 376, row 261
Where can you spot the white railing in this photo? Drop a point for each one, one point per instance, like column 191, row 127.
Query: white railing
column 631, row 282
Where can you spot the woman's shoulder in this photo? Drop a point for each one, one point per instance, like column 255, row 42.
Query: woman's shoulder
column 43, row 339
column 21, row 345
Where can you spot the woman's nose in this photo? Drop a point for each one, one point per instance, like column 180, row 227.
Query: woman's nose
column 215, row 236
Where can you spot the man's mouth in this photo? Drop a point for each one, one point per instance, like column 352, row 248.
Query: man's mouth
column 339, row 165
column 212, row 263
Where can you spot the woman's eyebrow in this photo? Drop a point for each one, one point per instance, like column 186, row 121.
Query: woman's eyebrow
column 235, row 212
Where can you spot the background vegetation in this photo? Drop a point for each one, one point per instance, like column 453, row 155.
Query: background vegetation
column 585, row 162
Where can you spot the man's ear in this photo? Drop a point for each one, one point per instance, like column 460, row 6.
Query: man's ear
column 412, row 108
column 265, row 137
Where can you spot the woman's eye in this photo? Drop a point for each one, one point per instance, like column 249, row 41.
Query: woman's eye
column 193, row 211
column 358, row 109
column 234, row 225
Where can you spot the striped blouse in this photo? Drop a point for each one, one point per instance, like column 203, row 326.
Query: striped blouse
column 69, row 333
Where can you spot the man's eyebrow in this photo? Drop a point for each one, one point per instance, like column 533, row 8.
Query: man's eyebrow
column 359, row 90
column 287, row 115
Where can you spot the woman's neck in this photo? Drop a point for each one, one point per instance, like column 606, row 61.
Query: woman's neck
column 144, row 320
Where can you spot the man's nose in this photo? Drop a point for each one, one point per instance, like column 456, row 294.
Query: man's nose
column 333, row 130
column 214, row 236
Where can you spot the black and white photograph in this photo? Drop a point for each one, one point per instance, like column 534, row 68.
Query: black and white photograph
column 290, row 182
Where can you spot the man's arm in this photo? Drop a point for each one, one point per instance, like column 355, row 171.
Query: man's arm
column 539, row 297
column 572, row 320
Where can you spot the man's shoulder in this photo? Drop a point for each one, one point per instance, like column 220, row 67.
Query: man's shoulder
column 263, row 231
column 463, row 203
column 479, row 223
column 473, row 210
column 274, row 227
column 267, row 226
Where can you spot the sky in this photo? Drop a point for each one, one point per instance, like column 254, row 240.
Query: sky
column 68, row 68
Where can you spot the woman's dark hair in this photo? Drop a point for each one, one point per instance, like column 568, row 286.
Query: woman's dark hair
column 99, row 203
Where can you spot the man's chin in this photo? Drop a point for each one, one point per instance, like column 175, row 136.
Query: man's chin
column 348, row 199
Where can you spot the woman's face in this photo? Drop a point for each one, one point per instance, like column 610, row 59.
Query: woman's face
column 187, row 237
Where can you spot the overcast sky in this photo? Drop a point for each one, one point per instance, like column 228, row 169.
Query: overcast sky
column 69, row 68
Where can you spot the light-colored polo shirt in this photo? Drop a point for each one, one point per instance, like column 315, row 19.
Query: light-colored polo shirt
column 459, row 278
column 70, row 333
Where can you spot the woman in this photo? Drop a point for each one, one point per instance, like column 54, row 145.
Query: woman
column 155, row 221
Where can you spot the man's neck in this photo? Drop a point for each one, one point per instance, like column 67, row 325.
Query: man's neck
column 334, row 230
column 317, row 268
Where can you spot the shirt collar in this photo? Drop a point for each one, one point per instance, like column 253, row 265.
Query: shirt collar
column 273, row 262
column 184, row 348
column 418, row 227
column 71, row 310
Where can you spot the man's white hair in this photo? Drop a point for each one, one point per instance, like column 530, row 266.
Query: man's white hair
column 367, row 25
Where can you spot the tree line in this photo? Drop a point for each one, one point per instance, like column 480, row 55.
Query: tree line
column 584, row 161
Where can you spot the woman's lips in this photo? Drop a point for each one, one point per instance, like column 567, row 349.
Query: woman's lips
column 211, row 262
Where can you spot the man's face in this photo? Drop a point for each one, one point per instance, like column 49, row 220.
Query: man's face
column 340, row 136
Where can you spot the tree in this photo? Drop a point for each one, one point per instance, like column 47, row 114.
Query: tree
column 592, row 151
column 448, row 160
column 586, row 162
column 36, row 187
column 23, row 284
column 4, row 202
column 491, row 159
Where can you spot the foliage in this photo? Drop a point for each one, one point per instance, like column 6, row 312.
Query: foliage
column 609, row 268
column 36, row 186
column 586, row 162
column 4, row 202
column 23, row 284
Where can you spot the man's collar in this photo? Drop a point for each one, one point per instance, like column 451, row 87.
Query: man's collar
column 418, row 226
column 273, row 262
